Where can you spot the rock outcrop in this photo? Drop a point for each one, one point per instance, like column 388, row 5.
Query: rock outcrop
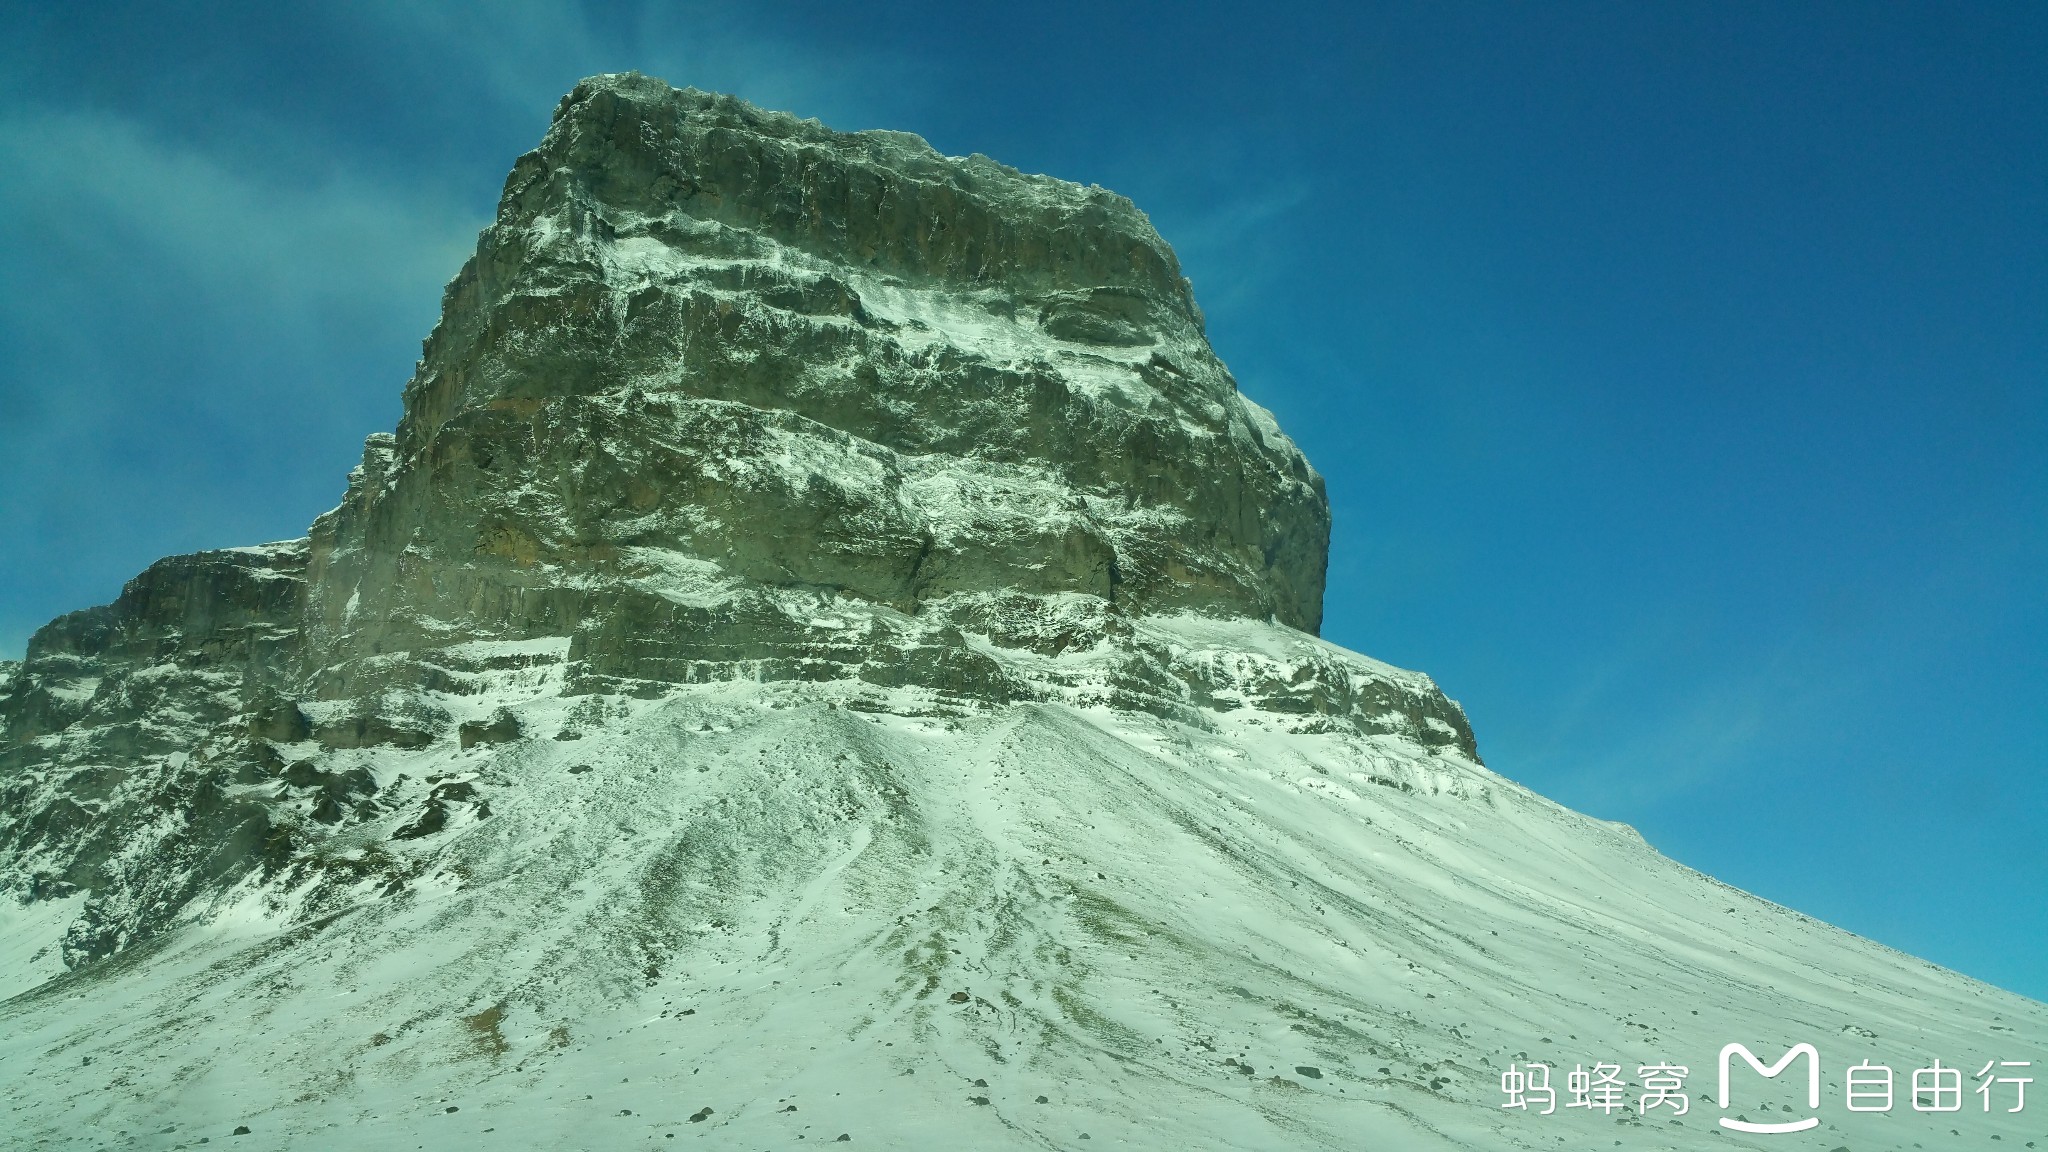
column 724, row 392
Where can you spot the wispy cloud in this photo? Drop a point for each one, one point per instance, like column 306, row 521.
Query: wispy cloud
column 1228, row 246
column 1616, row 749
column 530, row 51
column 216, row 213
column 1632, row 763
column 260, row 255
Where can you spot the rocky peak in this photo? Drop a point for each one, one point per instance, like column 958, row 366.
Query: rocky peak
column 710, row 348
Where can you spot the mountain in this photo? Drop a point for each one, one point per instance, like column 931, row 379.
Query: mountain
column 829, row 654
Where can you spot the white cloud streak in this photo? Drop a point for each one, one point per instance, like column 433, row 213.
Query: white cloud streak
column 530, row 52
column 93, row 185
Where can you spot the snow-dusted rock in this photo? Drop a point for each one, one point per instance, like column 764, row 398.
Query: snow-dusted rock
column 716, row 373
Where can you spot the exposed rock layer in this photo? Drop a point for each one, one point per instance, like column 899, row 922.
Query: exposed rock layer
column 705, row 345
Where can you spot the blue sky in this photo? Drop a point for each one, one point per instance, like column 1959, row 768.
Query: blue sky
column 1680, row 372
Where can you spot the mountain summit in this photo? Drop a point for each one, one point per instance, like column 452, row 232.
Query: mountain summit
column 829, row 654
column 711, row 355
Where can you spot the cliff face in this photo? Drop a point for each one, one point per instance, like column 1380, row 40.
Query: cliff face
column 106, row 791
column 711, row 354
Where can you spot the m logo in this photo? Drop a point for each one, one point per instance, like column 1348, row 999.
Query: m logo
column 1812, row 1086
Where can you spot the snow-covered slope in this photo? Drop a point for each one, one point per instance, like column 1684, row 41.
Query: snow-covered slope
column 828, row 653
column 826, row 909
